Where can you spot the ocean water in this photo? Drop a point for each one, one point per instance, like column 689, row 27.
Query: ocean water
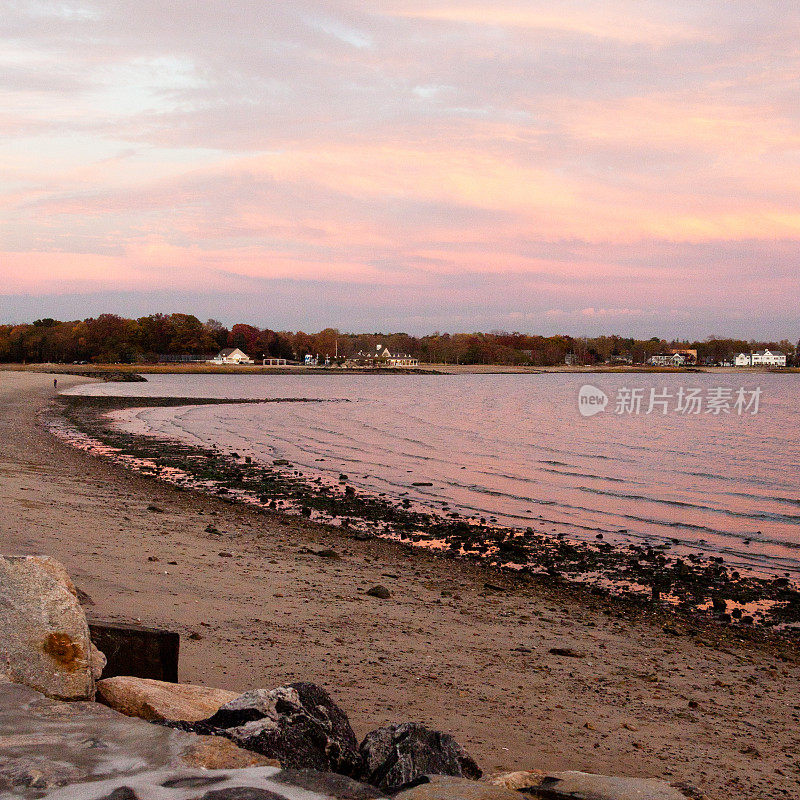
column 515, row 448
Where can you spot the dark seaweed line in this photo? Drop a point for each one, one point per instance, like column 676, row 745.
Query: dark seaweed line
column 687, row 582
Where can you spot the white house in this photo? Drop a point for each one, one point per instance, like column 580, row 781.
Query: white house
column 667, row 360
column 231, row 355
column 768, row 358
column 382, row 356
column 761, row 358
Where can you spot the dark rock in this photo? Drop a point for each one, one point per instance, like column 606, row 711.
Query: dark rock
column 327, row 783
column 298, row 724
column 398, row 754
column 380, row 592
column 137, row 651
column 567, row 652
column 242, row 793
column 155, row 509
column 122, row 793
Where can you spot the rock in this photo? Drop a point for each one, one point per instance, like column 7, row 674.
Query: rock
column 158, row 700
column 398, row 754
column 585, row 786
column 44, row 637
column 439, row 787
column 381, row 592
column 298, row 724
column 567, row 652
column 217, row 752
column 87, row 751
column 518, row 781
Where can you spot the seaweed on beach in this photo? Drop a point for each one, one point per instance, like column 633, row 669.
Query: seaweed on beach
column 692, row 582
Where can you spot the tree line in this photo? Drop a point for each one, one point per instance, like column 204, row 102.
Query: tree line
column 109, row 338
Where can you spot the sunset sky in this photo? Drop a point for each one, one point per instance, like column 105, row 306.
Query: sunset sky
column 417, row 165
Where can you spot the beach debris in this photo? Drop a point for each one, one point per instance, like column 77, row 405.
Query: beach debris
column 399, row 754
column 137, row 651
column 159, row 700
column 381, row 592
column 44, row 637
column 567, row 652
column 298, row 724
column 570, row 785
column 326, row 553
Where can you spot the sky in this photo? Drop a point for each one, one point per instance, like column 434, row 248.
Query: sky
column 626, row 166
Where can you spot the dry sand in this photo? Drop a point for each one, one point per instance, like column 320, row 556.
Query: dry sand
column 705, row 709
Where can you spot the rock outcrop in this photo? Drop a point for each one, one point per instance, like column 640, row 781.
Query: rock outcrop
column 87, row 751
column 44, row 638
column 399, row 754
column 159, row 700
column 298, row 724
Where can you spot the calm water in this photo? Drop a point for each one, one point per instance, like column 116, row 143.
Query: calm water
column 514, row 447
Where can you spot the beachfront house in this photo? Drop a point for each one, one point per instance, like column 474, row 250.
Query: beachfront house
column 231, row 355
column 667, row 360
column 383, row 357
column 761, row 358
column 768, row 358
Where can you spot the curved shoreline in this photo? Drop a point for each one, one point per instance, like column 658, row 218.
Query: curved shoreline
column 457, row 646
column 682, row 579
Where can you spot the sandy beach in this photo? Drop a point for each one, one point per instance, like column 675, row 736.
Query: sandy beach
column 693, row 705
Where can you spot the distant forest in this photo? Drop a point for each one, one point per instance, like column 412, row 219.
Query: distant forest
column 172, row 337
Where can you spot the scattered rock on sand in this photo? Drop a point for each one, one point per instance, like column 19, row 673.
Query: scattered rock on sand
column 159, row 700
column 298, row 724
column 44, row 638
column 567, row 652
column 571, row 785
column 398, row 754
column 380, row 592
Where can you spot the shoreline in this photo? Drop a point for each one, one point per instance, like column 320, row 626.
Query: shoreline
column 120, row 371
column 445, row 649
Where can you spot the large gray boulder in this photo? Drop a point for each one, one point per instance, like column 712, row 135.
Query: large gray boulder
column 399, row 754
column 298, row 724
column 44, row 638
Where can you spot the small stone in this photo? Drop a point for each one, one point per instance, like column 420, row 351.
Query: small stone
column 155, row 509
column 327, row 553
column 381, row 592
column 225, row 554
column 567, row 652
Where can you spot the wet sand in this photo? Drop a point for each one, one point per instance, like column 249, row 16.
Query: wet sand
column 693, row 706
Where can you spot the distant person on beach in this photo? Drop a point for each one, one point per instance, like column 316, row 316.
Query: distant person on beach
column 55, row 383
